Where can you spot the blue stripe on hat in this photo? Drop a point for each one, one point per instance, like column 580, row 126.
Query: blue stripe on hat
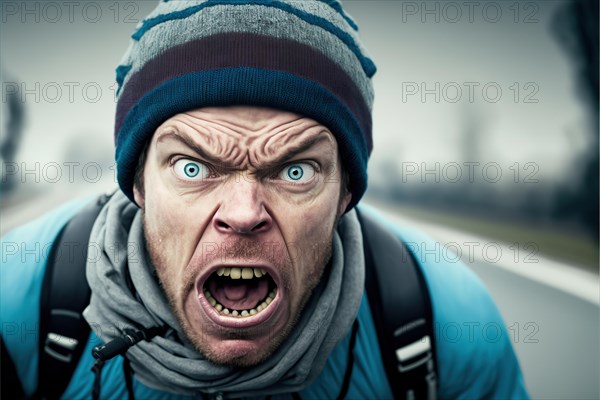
column 366, row 63
column 337, row 6
column 122, row 71
column 269, row 88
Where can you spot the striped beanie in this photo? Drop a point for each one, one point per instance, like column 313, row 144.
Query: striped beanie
column 302, row 56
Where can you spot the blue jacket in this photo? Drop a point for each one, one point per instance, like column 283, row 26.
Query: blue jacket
column 475, row 356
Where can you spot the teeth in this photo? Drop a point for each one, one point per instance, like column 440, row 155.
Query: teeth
column 240, row 313
column 247, row 273
column 241, row 272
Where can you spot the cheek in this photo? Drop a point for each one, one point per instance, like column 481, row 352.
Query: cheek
column 316, row 218
column 170, row 227
column 310, row 231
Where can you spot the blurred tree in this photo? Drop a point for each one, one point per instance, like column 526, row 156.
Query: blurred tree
column 13, row 116
column 575, row 25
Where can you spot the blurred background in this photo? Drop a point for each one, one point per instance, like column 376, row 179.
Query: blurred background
column 485, row 132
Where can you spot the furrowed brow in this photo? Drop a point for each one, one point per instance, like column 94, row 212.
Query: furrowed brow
column 188, row 142
column 290, row 153
column 218, row 162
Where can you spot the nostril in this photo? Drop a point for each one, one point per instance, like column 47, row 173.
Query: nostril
column 223, row 225
column 242, row 221
column 259, row 226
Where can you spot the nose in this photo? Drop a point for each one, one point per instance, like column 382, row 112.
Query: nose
column 242, row 210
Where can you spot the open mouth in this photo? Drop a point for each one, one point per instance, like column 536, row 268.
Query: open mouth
column 240, row 291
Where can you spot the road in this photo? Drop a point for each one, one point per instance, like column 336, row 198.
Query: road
column 550, row 309
column 557, row 341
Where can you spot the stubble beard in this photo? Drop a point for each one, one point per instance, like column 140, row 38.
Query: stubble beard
column 176, row 295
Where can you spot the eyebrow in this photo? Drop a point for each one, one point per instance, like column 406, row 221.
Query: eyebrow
column 303, row 146
column 187, row 141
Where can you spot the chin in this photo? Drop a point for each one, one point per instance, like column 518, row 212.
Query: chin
column 237, row 353
column 232, row 347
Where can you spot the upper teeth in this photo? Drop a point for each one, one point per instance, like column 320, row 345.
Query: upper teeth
column 241, row 272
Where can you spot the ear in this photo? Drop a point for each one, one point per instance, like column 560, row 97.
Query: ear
column 138, row 197
column 344, row 201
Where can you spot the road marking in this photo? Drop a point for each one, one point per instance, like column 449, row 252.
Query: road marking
column 564, row 277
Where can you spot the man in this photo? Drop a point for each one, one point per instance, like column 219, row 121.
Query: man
column 243, row 130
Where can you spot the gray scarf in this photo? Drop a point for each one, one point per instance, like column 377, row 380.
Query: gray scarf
column 126, row 294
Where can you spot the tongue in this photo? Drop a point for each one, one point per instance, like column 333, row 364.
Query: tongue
column 239, row 294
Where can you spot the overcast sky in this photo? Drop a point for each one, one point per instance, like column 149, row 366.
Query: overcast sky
column 461, row 52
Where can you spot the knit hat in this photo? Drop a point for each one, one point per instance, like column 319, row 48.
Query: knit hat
column 302, row 56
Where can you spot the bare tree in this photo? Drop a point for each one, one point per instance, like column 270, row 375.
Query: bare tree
column 575, row 25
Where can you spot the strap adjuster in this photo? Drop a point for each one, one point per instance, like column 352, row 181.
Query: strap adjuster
column 60, row 347
column 413, row 355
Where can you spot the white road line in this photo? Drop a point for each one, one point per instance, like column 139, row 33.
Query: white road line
column 524, row 262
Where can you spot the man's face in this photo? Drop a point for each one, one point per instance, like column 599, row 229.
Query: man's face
column 240, row 205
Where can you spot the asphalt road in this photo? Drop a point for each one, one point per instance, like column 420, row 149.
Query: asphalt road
column 556, row 335
column 550, row 309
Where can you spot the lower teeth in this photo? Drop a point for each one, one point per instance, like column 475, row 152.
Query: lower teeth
column 240, row 313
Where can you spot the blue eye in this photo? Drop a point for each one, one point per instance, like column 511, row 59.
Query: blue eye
column 295, row 173
column 298, row 173
column 190, row 170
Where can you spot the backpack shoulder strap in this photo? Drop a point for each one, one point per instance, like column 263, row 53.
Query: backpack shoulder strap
column 65, row 294
column 402, row 313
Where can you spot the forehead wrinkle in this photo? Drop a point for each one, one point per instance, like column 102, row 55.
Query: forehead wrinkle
column 238, row 139
column 258, row 146
column 297, row 133
column 220, row 134
column 247, row 145
column 173, row 131
column 252, row 119
column 302, row 141
column 268, row 133
column 212, row 123
column 223, row 144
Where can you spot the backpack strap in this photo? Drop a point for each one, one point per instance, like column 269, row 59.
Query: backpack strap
column 402, row 312
column 65, row 294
